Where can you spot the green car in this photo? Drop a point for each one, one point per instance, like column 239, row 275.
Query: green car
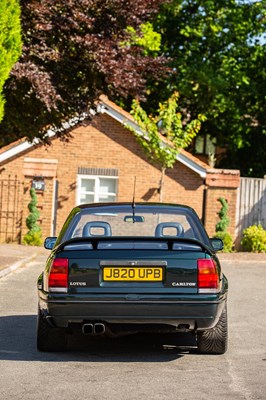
column 126, row 268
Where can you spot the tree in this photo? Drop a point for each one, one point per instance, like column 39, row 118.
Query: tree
column 221, row 226
column 218, row 51
column 34, row 235
column 74, row 50
column 165, row 133
column 10, row 42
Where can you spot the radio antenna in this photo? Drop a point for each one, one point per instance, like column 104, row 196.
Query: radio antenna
column 133, row 201
column 134, row 191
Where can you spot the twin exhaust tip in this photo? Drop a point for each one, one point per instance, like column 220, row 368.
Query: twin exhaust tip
column 93, row 329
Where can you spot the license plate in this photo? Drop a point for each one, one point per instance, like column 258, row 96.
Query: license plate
column 132, row 274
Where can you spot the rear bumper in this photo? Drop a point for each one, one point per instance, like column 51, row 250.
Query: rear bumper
column 197, row 312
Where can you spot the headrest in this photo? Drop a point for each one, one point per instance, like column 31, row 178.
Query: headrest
column 91, row 227
column 160, row 228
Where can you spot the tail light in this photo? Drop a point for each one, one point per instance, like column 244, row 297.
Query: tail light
column 208, row 276
column 58, row 277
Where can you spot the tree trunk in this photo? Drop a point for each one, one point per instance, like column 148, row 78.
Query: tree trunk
column 162, row 184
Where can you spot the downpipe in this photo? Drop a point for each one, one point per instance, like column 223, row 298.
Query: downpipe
column 93, row 329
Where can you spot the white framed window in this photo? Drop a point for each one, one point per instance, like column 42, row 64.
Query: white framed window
column 96, row 188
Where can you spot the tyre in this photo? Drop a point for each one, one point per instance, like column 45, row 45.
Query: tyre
column 215, row 340
column 49, row 338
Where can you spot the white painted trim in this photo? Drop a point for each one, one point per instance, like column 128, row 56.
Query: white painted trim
column 192, row 165
column 104, row 109
column 26, row 145
column 53, row 210
column 14, row 151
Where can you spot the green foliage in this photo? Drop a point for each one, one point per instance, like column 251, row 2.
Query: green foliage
column 148, row 39
column 218, row 51
column 10, row 42
column 34, row 213
column 227, row 241
column 34, row 236
column 221, row 227
column 72, row 54
column 254, row 239
column 215, row 52
column 164, row 134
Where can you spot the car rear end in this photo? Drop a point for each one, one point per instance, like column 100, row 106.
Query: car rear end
column 126, row 284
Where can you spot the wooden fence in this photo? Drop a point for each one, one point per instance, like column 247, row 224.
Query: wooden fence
column 251, row 205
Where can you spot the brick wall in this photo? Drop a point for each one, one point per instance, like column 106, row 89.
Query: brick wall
column 213, row 206
column 221, row 183
column 105, row 143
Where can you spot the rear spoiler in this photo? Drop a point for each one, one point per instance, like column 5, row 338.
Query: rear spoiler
column 134, row 243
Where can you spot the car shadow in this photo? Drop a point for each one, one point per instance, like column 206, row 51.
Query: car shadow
column 18, row 343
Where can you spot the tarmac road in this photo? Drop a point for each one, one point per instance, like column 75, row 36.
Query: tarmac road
column 136, row 368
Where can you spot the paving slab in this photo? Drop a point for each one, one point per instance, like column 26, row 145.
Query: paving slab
column 12, row 256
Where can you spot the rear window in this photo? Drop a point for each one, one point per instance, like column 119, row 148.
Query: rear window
column 141, row 221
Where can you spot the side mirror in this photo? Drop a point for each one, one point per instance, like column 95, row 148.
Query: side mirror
column 217, row 244
column 50, row 242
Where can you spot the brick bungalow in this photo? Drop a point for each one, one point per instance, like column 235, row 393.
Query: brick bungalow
column 99, row 162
